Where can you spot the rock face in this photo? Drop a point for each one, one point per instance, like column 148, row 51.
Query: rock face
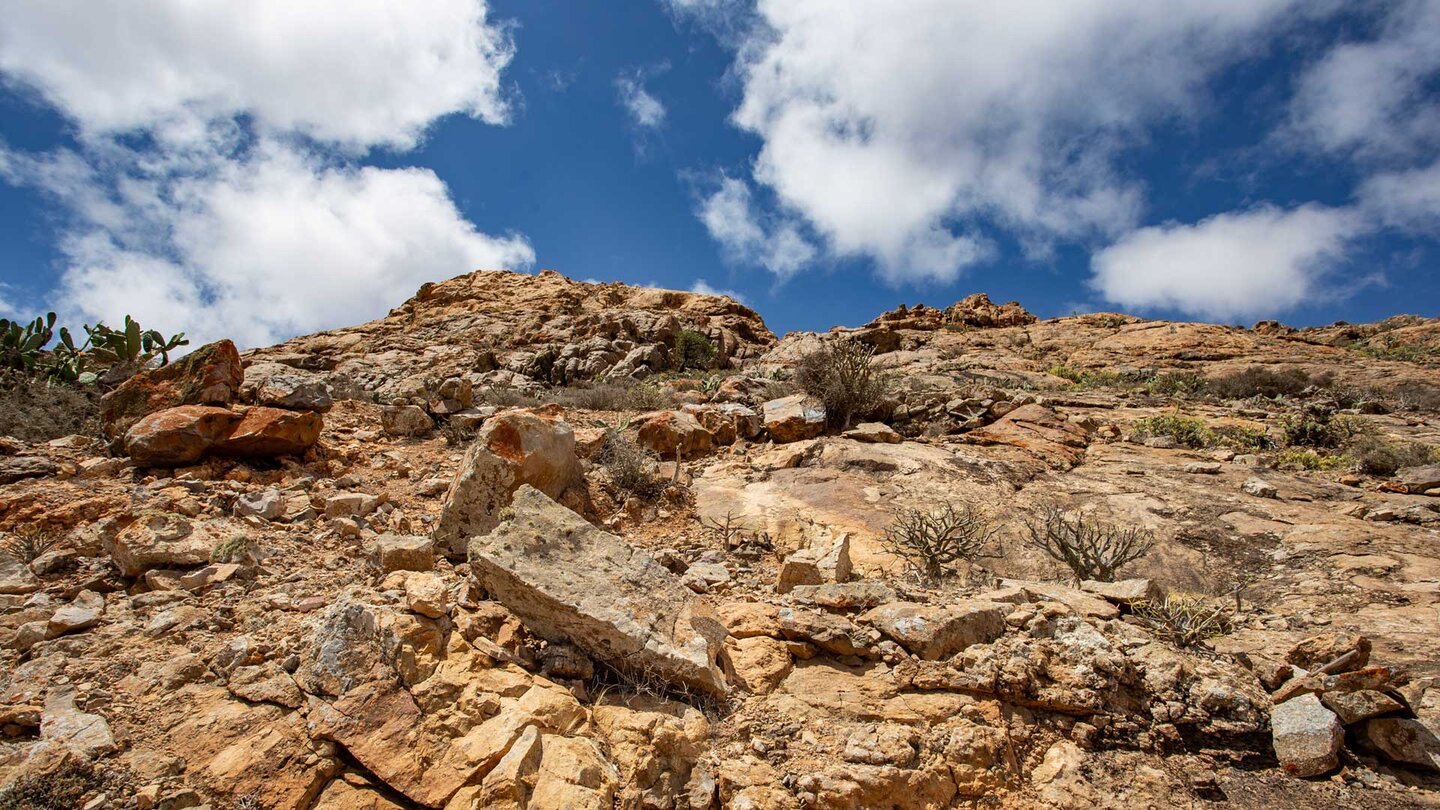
column 178, row 436
column 793, row 418
column 1039, row 430
column 1307, row 736
column 210, row 375
column 975, row 311
column 570, row 582
column 669, row 433
column 518, row 448
column 936, row 633
column 263, row 432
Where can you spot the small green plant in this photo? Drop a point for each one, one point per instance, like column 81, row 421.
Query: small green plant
column 1301, row 459
column 693, row 350
column 1320, row 427
column 1092, row 548
column 26, row 545
column 1176, row 384
column 21, row 344
column 843, row 376
column 1066, row 373
column 1187, row 431
column 1184, row 621
column 232, row 550
column 930, row 542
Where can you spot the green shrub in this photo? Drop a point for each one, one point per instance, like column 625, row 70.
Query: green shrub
column 1176, row 384
column 842, row 375
column 1187, row 431
column 1376, row 456
column 1319, row 427
column 693, row 350
column 233, row 550
column 1260, row 381
column 1241, row 439
column 36, row 410
column 1300, row 459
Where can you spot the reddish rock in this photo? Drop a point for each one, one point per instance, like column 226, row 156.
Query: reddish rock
column 272, row 432
column 210, row 375
column 671, row 432
column 177, row 436
column 1039, row 430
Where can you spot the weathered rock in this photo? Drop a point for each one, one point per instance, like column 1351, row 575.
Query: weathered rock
column 760, row 663
column 570, row 582
column 669, row 433
column 177, row 436
column 264, row 432
column 210, row 375
column 1420, row 480
column 351, row 504
column 1126, row 591
column 1362, row 704
column 405, row 420
column 1317, row 651
column 425, row 594
column 845, row 595
column 1039, row 430
column 81, row 614
column 267, row 504
column 706, row 577
column 88, row 734
column 1306, row 736
column 19, row 468
column 1403, row 740
column 395, row 552
column 1259, row 488
column 935, row 633
column 815, row 566
column 162, row 540
column 266, row 683
column 831, row 633
column 793, row 418
column 513, row 449
column 16, row 577
column 1203, row 468
column 874, row 433
column 280, row 386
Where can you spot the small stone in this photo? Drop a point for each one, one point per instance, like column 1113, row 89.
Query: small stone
column 395, row 552
column 268, row 504
column 81, row 614
column 425, row 594
column 1259, row 488
column 405, row 420
column 1203, row 468
column 936, row 633
column 874, row 433
column 1306, row 735
column 1126, row 591
column 351, row 504
column 706, row 577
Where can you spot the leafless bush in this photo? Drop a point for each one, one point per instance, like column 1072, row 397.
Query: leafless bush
column 1184, row 621
column 1090, row 547
column 844, row 378
column 731, row 531
column 507, row 398
column 37, row 410
column 1417, row 396
column 27, row 545
column 612, row 397
column 631, row 467
column 930, row 542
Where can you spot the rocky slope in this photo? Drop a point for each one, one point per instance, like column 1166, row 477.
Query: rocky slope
column 471, row 591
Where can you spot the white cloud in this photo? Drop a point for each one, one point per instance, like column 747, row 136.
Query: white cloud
column 645, row 110
column 1247, row 264
column 703, row 287
column 1371, row 98
column 1408, row 199
column 354, row 72
column 244, row 215
column 893, row 134
column 729, row 215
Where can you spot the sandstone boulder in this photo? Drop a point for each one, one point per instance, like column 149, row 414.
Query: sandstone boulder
column 280, row 386
column 177, row 436
column 264, row 432
column 570, row 582
column 874, row 433
column 1259, row 488
column 81, row 614
column 402, row 553
column 1420, row 480
column 405, row 420
column 163, row 540
column 19, row 468
column 1039, row 430
column 1306, row 735
column 793, row 418
column 1403, row 740
column 1126, row 591
column 88, row 734
column 672, row 433
column 516, row 448
column 210, row 375
column 935, row 633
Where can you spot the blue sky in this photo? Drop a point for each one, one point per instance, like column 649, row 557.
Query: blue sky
column 260, row 170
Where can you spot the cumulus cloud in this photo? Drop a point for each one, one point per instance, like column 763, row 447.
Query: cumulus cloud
column 1371, row 98
column 1407, row 199
column 644, row 109
column 1244, row 264
column 353, row 72
column 729, row 214
column 243, row 214
column 703, row 287
column 894, row 135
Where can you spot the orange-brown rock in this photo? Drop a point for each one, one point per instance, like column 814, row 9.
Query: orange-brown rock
column 210, row 375
column 670, row 432
column 1039, row 430
column 177, row 436
column 264, row 432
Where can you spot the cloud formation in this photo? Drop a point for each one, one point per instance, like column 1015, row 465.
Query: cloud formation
column 644, row 109
column 731, row 218
column 243, row 213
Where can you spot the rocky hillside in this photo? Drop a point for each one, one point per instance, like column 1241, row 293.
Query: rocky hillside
column 496, row 550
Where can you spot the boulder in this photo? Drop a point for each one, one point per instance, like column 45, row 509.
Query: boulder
column 210, row 375
column 1403, row 739
column 1038, row 430
column 1203, row 468
column 669, row 433
column 1259, row 488
column 177, row 436
column 1307, row 736
column 936, row 633
column 1126, row 591
column 81, row 614
column 280, row 386
column 395, row 552
column 793, row 418
column 267, row 504
column 405, row 420
column 874, row 433
column 1420, row 480
column 16, row 577
column 570, row 582
column 266, row 432
column 845, row 595
column 1318, row 651
column 815, row 566
column 1362, row 704
column 162, row 540
column 513, row 449
column 18, row 468
column 760, row 663
column 87, row 734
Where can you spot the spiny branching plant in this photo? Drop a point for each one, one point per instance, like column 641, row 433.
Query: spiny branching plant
column 1183, row 620
column 931, row 542
column 1091, row 547
column 27, row 545
column 731, row 530
column 843, row 376
column 633, row 468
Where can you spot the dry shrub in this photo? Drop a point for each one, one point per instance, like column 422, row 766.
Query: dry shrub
column 1184, row 621
column 632, row 467
column 611, row 396
column 1260, row 381
column 35, row 410
column 1092, row 548
column 843, row 377
column 1376, row 456
column 930, row 542
column 26, row 545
